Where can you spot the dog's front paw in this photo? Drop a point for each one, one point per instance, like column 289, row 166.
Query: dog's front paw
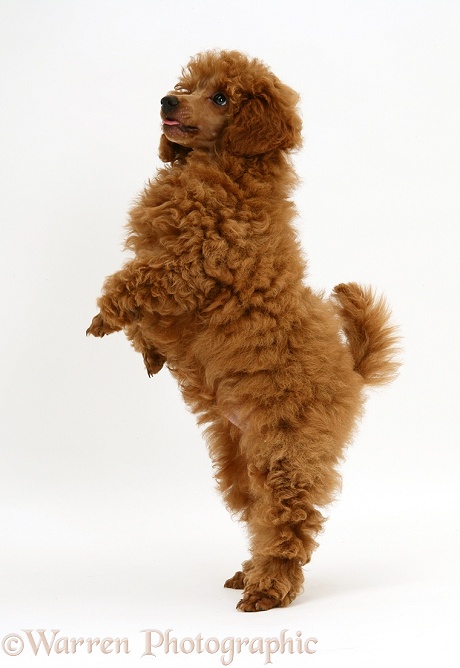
column 153, row 362
column 99, row 327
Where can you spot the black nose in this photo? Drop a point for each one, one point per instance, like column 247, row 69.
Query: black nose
column 168, row 103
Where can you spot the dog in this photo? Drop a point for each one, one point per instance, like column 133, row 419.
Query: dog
column 215, row 291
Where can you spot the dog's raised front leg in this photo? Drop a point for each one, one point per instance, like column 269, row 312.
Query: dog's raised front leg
column 145, row 287
column 117, row 303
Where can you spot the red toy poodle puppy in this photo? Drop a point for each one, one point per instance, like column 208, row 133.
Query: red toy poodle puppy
column 215, row 291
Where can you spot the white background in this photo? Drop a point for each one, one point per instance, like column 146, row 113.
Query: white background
column 109, row 520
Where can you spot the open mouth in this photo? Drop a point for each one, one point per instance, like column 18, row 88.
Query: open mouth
column 175, row 125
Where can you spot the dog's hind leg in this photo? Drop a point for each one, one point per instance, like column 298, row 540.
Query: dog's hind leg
column 231, row 473
column 230, row 465
column 283, row 521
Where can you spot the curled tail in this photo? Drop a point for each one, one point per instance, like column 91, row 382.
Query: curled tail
column 371, row 339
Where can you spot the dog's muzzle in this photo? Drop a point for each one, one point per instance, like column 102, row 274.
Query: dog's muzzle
column 168, row 103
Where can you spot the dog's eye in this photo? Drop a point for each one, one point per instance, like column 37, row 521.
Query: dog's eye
column 219, row 99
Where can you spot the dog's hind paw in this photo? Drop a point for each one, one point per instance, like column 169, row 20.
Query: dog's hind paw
column 236, row 582
column 258, row 601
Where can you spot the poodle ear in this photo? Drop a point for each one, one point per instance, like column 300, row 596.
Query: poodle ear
column 264, row 123
column 169, row 151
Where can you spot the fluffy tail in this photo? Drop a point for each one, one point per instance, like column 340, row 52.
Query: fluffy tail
column 372, row 340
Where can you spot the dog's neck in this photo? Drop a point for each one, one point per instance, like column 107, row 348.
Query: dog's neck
column 268, row 166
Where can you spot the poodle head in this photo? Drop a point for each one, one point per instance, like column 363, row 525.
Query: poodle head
column 225, row 101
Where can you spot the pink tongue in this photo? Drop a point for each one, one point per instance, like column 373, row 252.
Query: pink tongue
column 168, row 122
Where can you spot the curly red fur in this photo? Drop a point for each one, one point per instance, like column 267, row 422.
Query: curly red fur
column 215, row 290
